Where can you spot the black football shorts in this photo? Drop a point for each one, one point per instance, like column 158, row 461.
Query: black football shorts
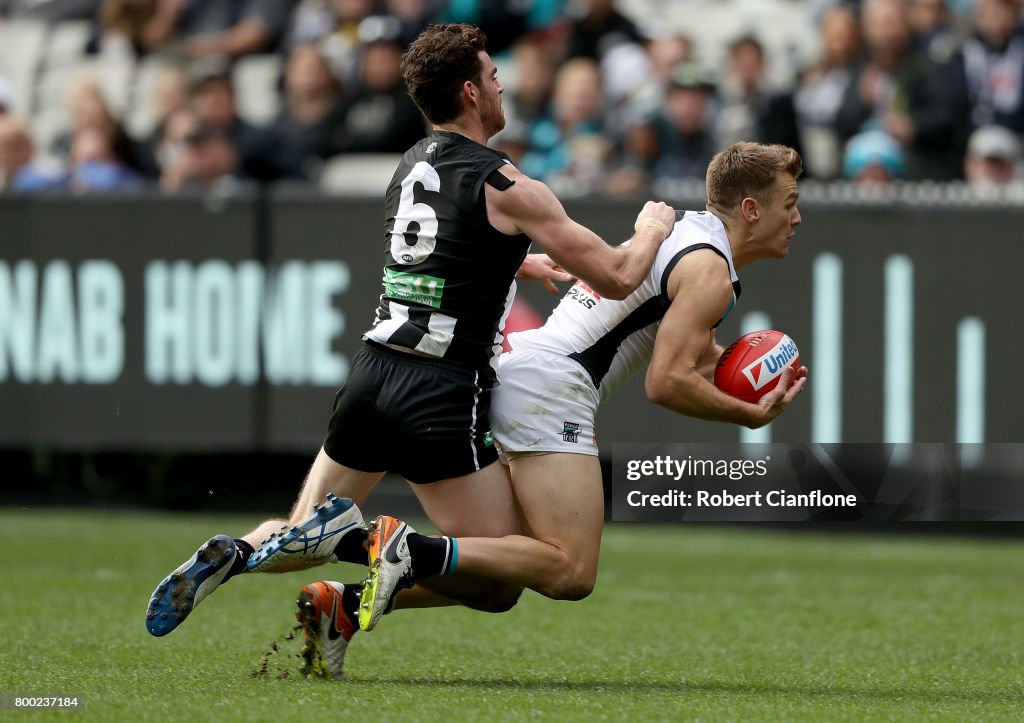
column 425, row 419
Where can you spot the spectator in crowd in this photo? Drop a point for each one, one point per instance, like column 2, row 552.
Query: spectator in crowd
column 95, row 166
column 570, row 141
column 121, row 29
column 310, row 22
column 685, row 126
column 126, row 29
column 635, row 93
column 993, row 157
column 213, row 100
column 15, row 150
column 89, row 111
column 625, row 69
column 899, row 90
column 343, row 27
column 208, row 28
column 380, row 117
column 170, row 94
column 752, row 110
column 503, row 21
column 932, row 25
column 412, row 17
column 821, row 91
column 960, row 9
column 817, row 8
column 153, row 30
column 334, row 25
column 989, row 70
column 527, row 101
column 171, row 144
column 17, row 172
column 873, row 158
column 633, row 167
column 535, row 67
column 49, row 11
column 664, row 54
column 196, row 156
column 599, row 28
column 313, row 107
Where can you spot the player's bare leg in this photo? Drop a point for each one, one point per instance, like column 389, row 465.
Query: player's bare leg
column 478, row 504
column 338, row 527
column 561, row 502
column 317, row 524
column 456, row 507
column 561, row 499
column 325, row 476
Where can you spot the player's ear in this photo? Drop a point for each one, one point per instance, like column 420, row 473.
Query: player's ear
column 749, row 209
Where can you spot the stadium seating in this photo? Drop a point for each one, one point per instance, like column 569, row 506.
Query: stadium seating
column 67, row 43
column 22, row 43
column 359, row 174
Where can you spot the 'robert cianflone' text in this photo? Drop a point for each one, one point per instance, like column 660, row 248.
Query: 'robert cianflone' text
column 771, row 498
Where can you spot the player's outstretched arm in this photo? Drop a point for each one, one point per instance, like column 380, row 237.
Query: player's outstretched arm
column 530, row 207
column 701, row 290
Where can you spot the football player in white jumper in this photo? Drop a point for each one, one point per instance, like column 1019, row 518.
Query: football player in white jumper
column 555, row 377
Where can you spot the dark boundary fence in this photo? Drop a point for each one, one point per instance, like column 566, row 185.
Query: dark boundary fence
column 200, row 328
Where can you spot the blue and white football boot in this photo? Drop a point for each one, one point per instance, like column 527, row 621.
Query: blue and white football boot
column 315, row 540
column 179, row 593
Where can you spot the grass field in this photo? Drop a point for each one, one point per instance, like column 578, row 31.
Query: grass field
column 686, row 623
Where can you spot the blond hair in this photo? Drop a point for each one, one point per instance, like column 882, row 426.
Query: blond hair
column 748, row 169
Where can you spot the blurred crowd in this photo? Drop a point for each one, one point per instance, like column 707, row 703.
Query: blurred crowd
column 602, row 96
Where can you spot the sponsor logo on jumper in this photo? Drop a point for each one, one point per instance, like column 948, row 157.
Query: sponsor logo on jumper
column 770, row 365
column 571, row 432
column 418, row 288
column 581, row 294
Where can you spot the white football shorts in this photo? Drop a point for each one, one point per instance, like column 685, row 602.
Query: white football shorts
column 546, row 402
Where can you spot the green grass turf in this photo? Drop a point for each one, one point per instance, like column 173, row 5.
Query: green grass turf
column 685, row 623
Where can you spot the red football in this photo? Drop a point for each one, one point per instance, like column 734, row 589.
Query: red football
column 751, row 366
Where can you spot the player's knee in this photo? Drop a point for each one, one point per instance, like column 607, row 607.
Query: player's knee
column 576, row 587
column 574, row 583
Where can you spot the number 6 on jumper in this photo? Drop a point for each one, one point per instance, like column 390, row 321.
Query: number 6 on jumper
column 419, row 213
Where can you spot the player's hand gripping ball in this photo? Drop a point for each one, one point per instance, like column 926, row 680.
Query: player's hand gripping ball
column 751, row 366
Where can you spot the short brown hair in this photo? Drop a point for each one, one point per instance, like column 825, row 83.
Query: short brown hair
column 436, row 65
column 748, row 169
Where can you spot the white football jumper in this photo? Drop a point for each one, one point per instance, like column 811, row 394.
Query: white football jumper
column 556, row 376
